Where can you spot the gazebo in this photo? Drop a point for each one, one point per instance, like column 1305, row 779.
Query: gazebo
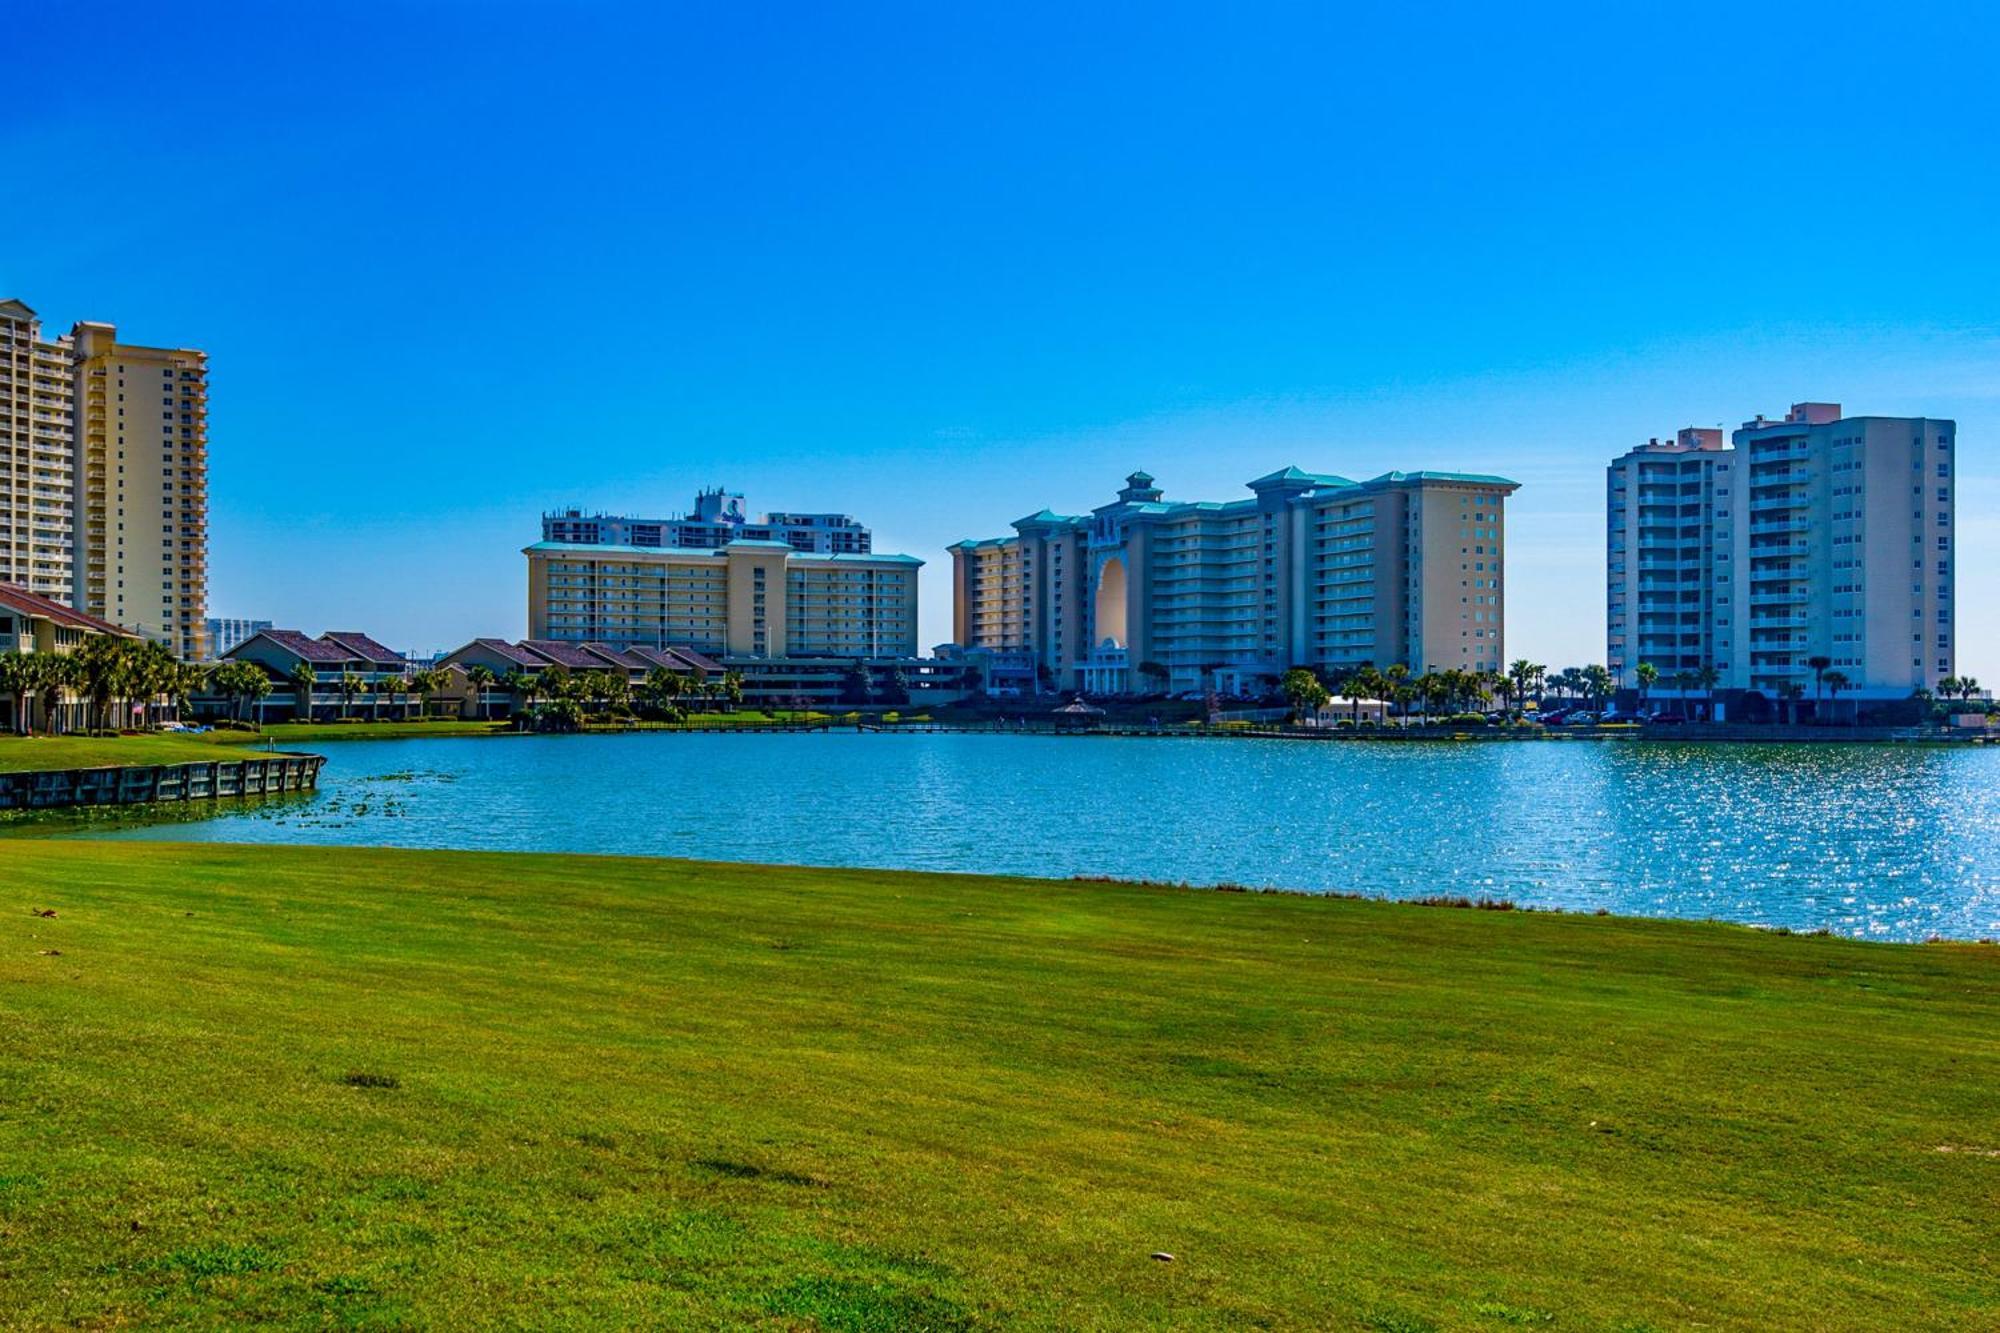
column 1077, row 713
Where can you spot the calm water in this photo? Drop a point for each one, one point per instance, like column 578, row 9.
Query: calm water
column 1895, row 843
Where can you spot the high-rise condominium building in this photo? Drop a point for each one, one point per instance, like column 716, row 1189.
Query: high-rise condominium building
column 37, row 457
column 748, row 599
column 719, row 517
column 225, row 632
column 1815, row 537
column 104, row 476
column 1309, row 570
column 142, row 463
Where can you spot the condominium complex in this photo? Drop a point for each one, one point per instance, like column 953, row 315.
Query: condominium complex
column 104, row 476
column 142, row 460
column 1815, row 537
column 1309, row 570
column 719, row 518
column 752, row 599
column 37, row 456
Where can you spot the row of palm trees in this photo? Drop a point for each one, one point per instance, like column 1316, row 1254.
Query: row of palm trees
column 1455, row 690
column 113, row 677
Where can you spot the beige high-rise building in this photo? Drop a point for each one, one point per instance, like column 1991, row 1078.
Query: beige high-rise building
column 37, row 452
column 1309, row 570
column 142, row 487
column 1818, row 538
column 749, row 599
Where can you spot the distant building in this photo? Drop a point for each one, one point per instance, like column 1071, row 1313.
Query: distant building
column 719, row 518
column 1147, row 594
column 752, row 599
column 225, row 633
column 1818, row 536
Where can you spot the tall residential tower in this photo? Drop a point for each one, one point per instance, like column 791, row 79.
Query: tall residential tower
column 37, row 457
column 1817, row 538
column 142, row 458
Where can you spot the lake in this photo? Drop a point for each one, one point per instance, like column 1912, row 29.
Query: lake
column 1880, row 841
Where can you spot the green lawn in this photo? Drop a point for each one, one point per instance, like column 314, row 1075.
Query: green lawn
column 286, row 733
column 333, row 1087
column 20, row 753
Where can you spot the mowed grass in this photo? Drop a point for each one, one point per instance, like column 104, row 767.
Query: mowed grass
column 354, row 1087
column 25, row 753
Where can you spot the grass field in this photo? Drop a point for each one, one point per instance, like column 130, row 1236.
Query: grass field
column 22, row 753
column 349, row 1087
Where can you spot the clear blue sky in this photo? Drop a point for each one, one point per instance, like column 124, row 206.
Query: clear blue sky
column 939, row 266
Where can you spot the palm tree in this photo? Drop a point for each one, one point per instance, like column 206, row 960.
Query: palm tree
column 59, row 676
column 1708, row 677
column 423, row 684
column 303, row 678
column 1303, row 691
column 480, row 677
column 1819, row 666
column 350, row 684
column 19, row 673
column 521, row 684
column 732, row 688
column 1647, row 675
column 1596, row 684
column 1835, row 682
column 388, row 690
column 1395, row 684
column 1521, row 677
column 1967, row 687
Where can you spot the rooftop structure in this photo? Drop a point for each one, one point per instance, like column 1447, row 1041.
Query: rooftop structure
column 718, row 518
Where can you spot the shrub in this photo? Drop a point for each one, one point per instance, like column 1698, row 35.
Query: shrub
column 1467, row 720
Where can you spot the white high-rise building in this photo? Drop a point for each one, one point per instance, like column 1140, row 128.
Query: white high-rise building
column 1814, row 545
column 37, row 457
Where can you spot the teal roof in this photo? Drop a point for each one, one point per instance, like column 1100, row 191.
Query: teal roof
column 839, row 557
column 1296, row 476
column 1468, row 478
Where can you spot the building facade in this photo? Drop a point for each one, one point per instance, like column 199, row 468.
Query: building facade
column 225, row 632
column 142, row 511
column 1816, row 536
column 37, row 457
column 719, row 518
column 104, row 476
column 33, row 624
column 748, row 599
column 1147, row 594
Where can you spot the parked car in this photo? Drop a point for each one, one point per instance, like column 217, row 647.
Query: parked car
column 1664, row 719
column 1555, row 717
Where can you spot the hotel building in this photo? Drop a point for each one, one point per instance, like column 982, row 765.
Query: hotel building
column 719, row 518
column 37, row 457
column 104, row 476
column 748, row 599
column 1309, row 570
column 1817, row 536
column 142, row 463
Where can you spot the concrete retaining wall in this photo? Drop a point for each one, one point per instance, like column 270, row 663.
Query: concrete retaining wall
column 147, row 783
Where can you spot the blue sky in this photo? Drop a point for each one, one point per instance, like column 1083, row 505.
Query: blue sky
column 939, row 266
